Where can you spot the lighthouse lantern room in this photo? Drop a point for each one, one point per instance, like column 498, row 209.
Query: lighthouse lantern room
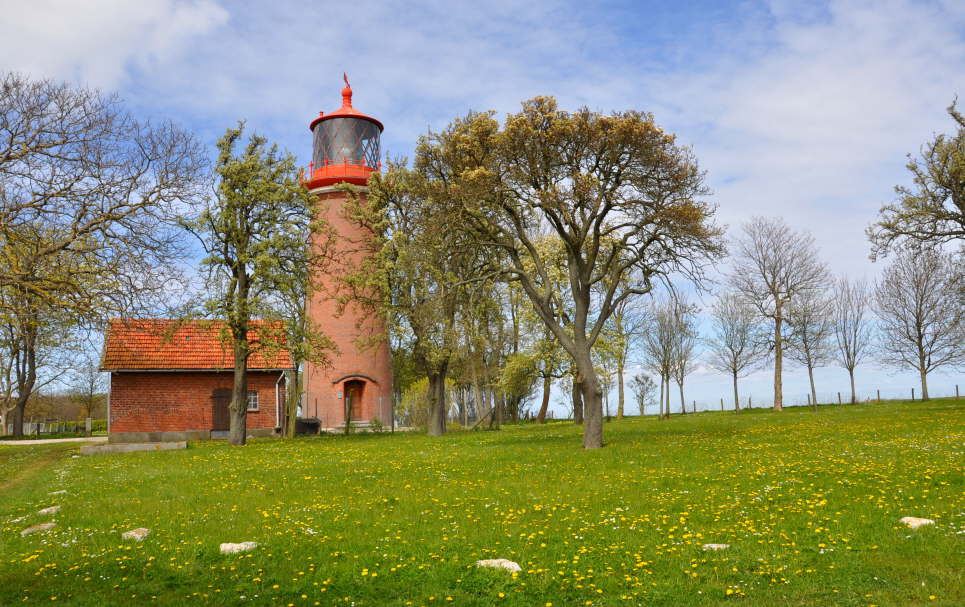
column 345, row 145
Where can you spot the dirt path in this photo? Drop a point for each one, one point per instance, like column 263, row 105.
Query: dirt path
column 28, row 464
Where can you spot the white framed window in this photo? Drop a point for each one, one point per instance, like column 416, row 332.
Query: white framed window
column 252, row 400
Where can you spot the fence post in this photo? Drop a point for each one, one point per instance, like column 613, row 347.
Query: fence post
column 722, row 402
column 839, row 398
column 809, row 400
column 879, row 395
column 912, row 394
column 749, row 405
column 956, row 391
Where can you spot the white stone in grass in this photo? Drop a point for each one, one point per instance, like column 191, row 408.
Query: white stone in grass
column 914, row 522
column 60, row 492
column 716, row 546
column 50, row 510
column 136, row 534
column 36, row 528
column 229, row 548
column 506, row 564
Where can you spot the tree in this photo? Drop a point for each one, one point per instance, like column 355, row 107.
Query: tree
column 254, row 233
column 811, row 322
column 642, row 387
column 852, row 329
column 84, row 182
column 420, row 271
column 88, row 383
column 931, row 211
column 919, row 320
column 773, row 266
column 628, row 322
column 737, row 344
column 625, row 202
column 86, row 195
column 658, row 348
column 685, row 339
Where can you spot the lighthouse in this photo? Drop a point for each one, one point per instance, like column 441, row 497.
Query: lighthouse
column 357, row 386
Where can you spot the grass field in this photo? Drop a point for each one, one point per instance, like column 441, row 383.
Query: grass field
column 809, row 503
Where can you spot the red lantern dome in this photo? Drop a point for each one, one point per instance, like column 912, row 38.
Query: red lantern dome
column 346, row 146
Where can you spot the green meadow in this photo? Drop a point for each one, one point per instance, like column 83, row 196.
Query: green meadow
column 809, row 503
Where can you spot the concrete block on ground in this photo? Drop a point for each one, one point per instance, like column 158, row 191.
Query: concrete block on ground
column 130, row 447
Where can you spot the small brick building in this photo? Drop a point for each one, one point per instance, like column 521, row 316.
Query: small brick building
column 172, row 380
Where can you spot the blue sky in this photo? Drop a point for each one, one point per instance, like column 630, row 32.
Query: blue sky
column 803, row 110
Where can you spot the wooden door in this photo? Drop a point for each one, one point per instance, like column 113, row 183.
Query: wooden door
column 220, row 399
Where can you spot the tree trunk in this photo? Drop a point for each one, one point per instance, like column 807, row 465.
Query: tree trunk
column 592, row 409
column 292, row 396
column 778, row 362
column 854, row 396
column 545, row 404
column 437, row 404
column 620, row 392
column 924, row 383
column 683, row 403
column 814, row 393
column 737, row 402
column 660, row 403
column 238, row 409
column 577, row 401
column 18, row 414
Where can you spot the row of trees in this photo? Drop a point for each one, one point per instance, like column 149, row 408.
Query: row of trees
column 910, row 319
column 507, row 256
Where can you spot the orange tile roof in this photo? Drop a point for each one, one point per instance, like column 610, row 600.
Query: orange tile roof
column 164, row 344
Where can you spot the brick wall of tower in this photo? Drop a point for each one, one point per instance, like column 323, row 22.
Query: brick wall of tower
column 182, row 401
column 325, row 386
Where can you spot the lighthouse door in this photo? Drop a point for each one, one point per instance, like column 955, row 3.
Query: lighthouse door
column 353, row 399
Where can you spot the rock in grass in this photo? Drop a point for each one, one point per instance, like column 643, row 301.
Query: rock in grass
column 60, row 492
column 50, row 510
column 137, row 534
column 229, row 548
column 716, row 546
column 506, row 564
column 36, row 528
column 914, row 522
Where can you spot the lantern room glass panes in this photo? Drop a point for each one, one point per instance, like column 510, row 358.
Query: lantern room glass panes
column 346, row 141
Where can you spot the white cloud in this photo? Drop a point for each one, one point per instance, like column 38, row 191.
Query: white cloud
column 97, row 42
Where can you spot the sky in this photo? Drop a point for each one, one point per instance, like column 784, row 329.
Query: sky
column 794, row 109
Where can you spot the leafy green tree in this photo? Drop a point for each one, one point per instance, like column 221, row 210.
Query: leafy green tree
column 419, row 271
column 622, row 199
column 932, row 210
column 255, row 235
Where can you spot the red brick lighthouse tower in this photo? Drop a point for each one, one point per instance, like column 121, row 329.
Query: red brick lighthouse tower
column 346, row 150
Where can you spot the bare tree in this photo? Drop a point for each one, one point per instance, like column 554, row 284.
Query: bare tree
column 737, row 345
column 920, row 319
column 82, row 179
column 852, row 327
column 811, row 326
column 88, row 383
column 773, row 265
column 685, row 340
column 659, row 343
column 643, row 387
column 628, row 322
